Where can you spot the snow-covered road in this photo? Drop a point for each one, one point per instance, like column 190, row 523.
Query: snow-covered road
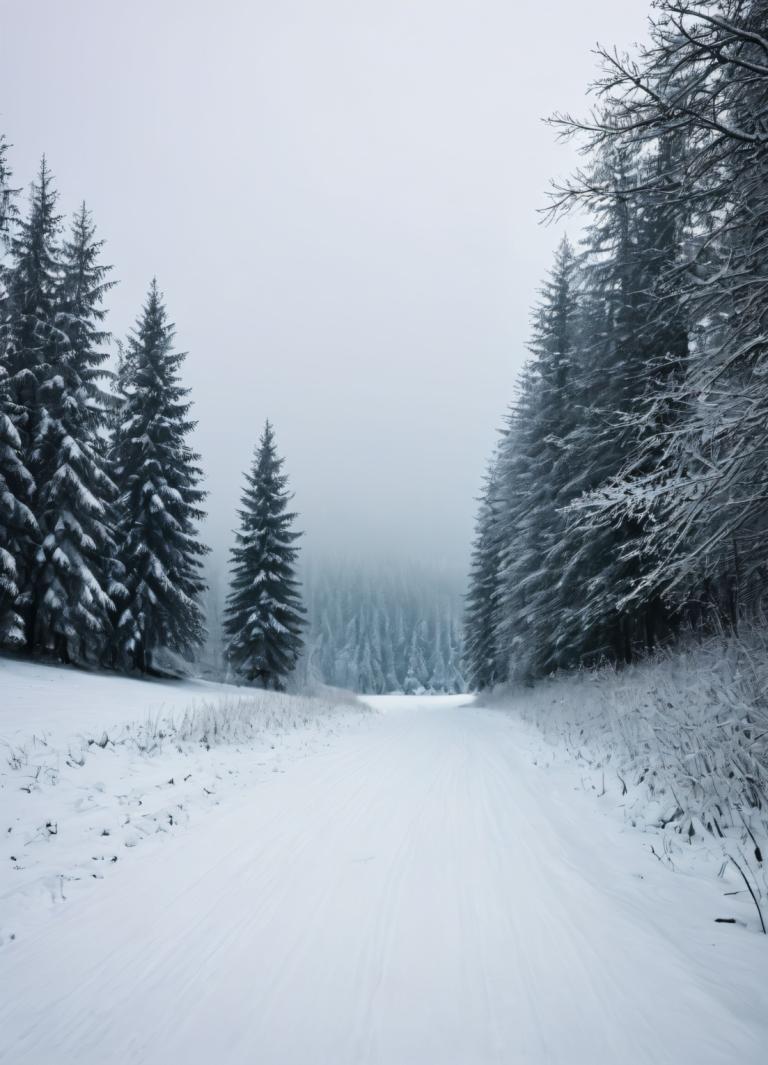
column 418, row 894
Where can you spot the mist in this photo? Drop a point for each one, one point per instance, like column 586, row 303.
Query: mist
column 339, row 201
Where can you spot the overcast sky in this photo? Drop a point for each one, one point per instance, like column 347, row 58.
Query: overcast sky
column 338, row 198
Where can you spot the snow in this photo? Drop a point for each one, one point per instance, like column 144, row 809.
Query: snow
column 410, row 889
column 54, row 703
column 91, row 784
column 674, row 745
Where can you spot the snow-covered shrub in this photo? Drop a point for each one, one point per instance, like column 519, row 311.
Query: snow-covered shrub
column 680, row 740
column 239, row 719
column 236, row 719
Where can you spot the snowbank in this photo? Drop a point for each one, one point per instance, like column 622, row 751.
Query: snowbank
column 39, row 699
column 91, row 765
column 678, row 744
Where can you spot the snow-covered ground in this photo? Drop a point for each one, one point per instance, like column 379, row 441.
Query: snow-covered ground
column 38, row 699
column 675, row 746
column 94, row 765
column 416, row 891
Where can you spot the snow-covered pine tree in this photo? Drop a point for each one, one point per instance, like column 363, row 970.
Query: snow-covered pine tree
column 457, row 682
column 7, row 200
column 264, row 616
column 439, row 680
column 30, row 338
column 480, row 650
column 326, row 658
column 31, row 344
column 159, row 501
column 376, row 682
column 417, row 671
column 346, row 664
column 400, row 644
column 509, row 620
column 68, row 583
column 366, row 681
column 17, row 526
column 535, row 471
column 635, row 341
column 17, row 523
column 390, row 682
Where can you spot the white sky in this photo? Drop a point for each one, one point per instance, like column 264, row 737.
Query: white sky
column 339, row 200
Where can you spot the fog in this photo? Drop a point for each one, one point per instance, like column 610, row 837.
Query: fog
column 339, row 200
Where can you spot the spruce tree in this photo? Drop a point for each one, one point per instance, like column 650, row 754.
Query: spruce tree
column 30, row 338
column 347, row 671
column 456, row 679
column 438, row 667
column 636, row 344
column 561, row 465
column 68, row 589
column 390, row 680
column 480, row 652
column 17, row 527
column 539, row 478
column 264, row 616
column 7, row 200
column 31, row 345
column 17, row 523
column 159, row 501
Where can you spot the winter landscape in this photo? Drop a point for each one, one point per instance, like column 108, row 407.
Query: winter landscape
column 383, row 511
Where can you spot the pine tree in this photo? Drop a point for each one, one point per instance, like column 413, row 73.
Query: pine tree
column 346, row 666
column 17, row 524
column 264, row 616
column 457, row 682
column 552, row 464
column 417, row 672
column 439, row 680
column 17, row 527
column 159, row 500
column 31, row 340
column 481, row 659
column 534, row 478
column 636, row 340
column 68, row 588
column 31, row 345
column 377, row 683
column 400, row 645
column 390, row 681
column 366, row 682
column 7, row 199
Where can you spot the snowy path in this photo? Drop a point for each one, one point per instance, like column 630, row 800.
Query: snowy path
column 417, row 895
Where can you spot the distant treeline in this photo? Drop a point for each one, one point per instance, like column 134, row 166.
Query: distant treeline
column 392, row 630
